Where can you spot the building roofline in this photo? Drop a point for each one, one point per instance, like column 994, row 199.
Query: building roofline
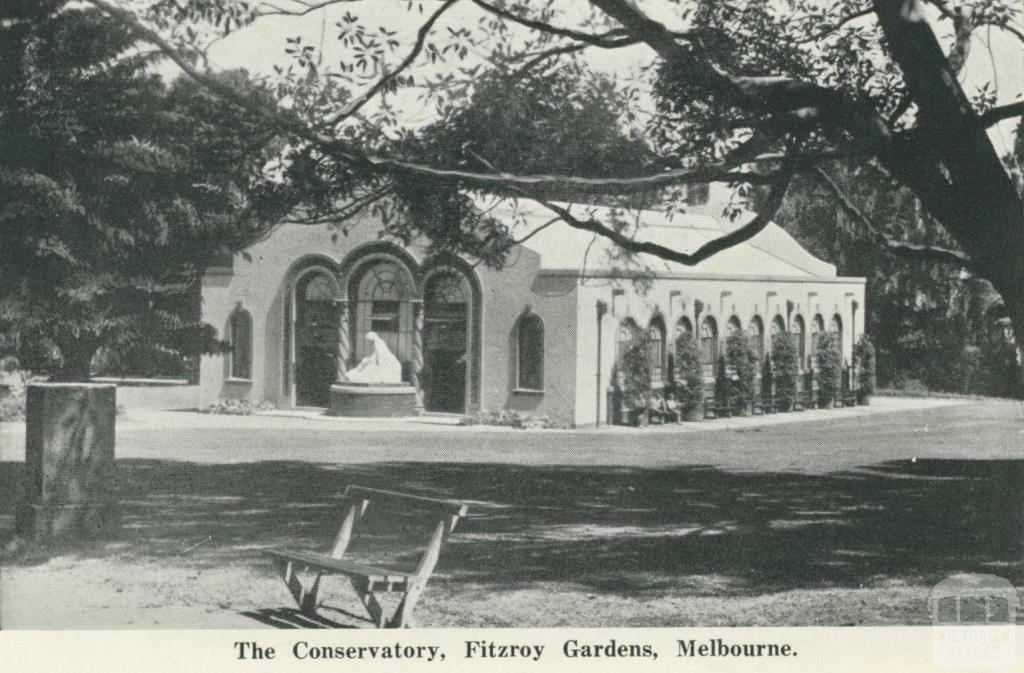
column 709, row 276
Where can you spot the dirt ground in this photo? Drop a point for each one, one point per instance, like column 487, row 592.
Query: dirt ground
column 835, row 520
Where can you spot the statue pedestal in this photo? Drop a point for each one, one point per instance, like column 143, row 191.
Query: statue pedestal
column 69, row 488
column 376, row 400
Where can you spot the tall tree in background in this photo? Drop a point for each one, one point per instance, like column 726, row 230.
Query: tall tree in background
column 115, row 192
column 785, row 87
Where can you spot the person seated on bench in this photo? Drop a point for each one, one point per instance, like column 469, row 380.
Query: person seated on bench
column 656, row 409
column 673, row 410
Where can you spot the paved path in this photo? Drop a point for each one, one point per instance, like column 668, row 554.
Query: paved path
column 815, row 441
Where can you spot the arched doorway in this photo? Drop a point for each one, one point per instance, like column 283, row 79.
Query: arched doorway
column 383, row 290
column 316, row 330
column 447, row 341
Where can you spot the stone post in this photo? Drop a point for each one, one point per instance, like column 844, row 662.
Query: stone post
column 68, row 491
column 417, row 351
column 344, row 350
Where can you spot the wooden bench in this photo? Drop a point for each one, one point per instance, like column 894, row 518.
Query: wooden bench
column 712, row 409
column 367, row 580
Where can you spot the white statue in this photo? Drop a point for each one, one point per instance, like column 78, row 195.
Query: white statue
column 379, row 366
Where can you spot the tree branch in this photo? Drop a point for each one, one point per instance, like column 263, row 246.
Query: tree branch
column 607, row 40
column 780, row 182
column 842, row 21
column 421, row 38
column 902, row 248
column 771, row 94
column 1003, row 112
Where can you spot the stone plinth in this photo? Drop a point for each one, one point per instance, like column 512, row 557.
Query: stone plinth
column 378, row 400
column 68, row 492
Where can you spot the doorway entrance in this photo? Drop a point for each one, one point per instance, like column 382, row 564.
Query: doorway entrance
column 316, row 330
column 446, row 346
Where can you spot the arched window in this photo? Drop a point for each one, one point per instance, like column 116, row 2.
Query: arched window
column 382, row 307
column 708, row 343
column 240, row 338
column 734, row 326
column 778, row 328
column 817, row 327
column 837, row 327
column 530, row 353
column 757, row 336
column 800, row 336
column 684, row 326
column 656, row 348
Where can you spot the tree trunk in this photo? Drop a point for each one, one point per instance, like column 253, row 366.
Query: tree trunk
column 77, row 356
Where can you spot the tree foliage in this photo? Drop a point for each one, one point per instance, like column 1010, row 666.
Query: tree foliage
column 689, row 374
column 115, row 190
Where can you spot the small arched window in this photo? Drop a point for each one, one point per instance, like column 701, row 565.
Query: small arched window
column 757, row 336
column 800, row 335
column 817, row 327
column 240, row 339
column 837, row 327
column 734, row 326
column 530, row 353
column 708, row 342
column 656, row 348
column 778, row 328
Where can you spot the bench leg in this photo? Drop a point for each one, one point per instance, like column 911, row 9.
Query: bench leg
column 306, row 600
column 369, row 601
column 403, row 613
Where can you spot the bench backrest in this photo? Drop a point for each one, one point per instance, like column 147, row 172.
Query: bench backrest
column 394, row 500
column 446, row 512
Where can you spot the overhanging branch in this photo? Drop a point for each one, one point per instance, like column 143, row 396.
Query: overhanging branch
column 902, row 248
column 780, row 183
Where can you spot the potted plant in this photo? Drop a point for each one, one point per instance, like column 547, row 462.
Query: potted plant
column 689, row 374
column 830, row 369
column 785, row 371
column 636, row 383
column 742, row 364
column 864, row 367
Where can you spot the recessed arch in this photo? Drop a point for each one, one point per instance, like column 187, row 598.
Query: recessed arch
column 756, row 329
column 240, row 337
column 800, row 335
column 529, row 352
column 709, row 343
column 450, row 339
column 656, row 336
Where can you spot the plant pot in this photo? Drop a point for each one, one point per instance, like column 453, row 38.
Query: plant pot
column 863, row 398
column 693, row 414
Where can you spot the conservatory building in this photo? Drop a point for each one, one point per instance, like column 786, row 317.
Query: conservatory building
column 544, row 335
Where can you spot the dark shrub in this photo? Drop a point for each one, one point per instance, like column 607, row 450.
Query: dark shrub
column 689, row 373
column 830, row 368
column 742, row 364
column 785, row 370
column 864, row 365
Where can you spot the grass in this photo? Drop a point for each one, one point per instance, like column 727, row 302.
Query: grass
column 654, row 540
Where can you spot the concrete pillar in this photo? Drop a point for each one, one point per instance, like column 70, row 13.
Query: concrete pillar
column 344, row 349
column 417, row 352
column 68, row 491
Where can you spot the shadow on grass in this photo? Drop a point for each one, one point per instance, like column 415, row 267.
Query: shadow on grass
column 629, row 531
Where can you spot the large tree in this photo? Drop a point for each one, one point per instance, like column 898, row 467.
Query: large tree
column 115, row 190
column 737, row 91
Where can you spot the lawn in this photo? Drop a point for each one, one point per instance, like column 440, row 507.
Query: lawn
column 846, row 521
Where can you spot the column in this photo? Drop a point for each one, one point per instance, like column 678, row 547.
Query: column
column 417, row 351
column 344, row 350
